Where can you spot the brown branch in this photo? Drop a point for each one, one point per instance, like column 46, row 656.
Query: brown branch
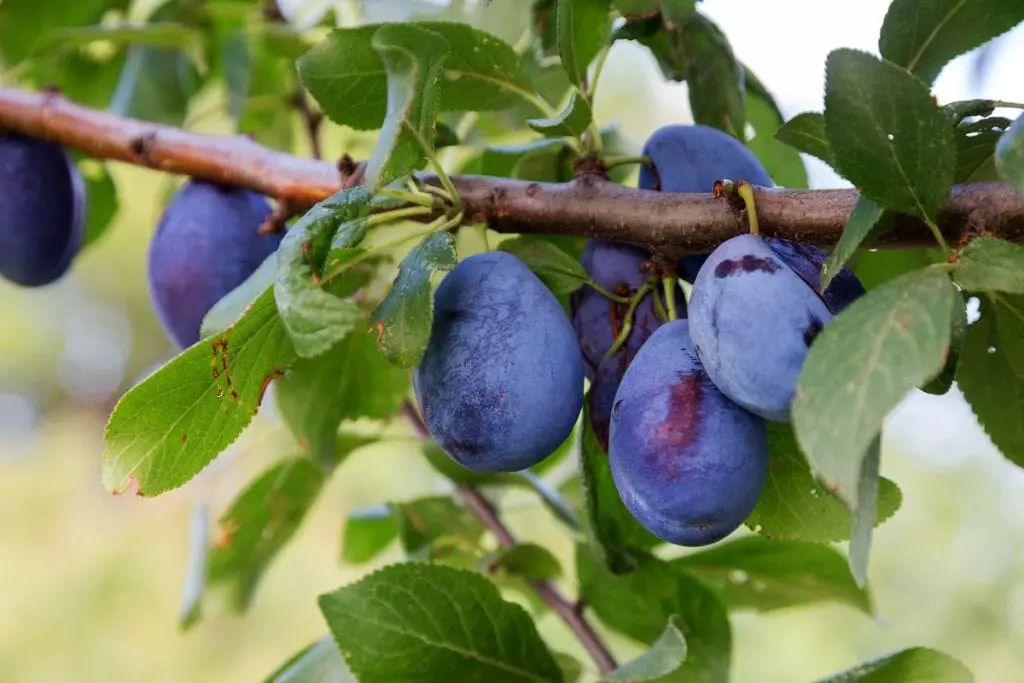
column 672, row 223
column 310, row 118
column 481, row 508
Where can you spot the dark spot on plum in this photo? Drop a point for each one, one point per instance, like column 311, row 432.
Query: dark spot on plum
column 681, row 427
column 747, row 264
column 812, row 331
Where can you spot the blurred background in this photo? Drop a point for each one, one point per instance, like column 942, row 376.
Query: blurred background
column 90, row 583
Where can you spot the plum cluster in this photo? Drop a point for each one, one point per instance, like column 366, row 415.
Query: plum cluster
column 679, row 399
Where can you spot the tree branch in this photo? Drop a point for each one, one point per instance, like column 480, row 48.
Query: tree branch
column 481, row 508
column 672, row 223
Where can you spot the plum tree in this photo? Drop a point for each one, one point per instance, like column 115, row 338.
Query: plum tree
column 599, row 320
column 690, row 158
column 688, row 463
column 753, row 320
column 206, row 244
column 501, row 382
column 44, row 204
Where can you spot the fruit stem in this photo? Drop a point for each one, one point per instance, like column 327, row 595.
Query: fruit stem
column 746, row 193
column 428, row 152
column 419, row 198
column 612, row 162
column 938, row 235
column 669, row 283
column 627, row 323
column 604, row 292
column 659, row 308
column 396, row 215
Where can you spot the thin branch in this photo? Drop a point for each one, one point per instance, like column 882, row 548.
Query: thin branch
column 671, row 223
column 312, row 120
column 482, row 509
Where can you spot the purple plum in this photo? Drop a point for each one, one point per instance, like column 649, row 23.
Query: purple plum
column 806, row 260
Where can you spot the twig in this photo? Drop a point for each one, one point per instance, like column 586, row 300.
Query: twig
column 312, row 120
column 672, row 223
column 482, row 509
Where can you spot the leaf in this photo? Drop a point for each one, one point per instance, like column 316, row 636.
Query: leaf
column 155, row 34
column 315, row 319
column 157, row 84
column 924, row 36
column 755, row 573
column 168, row 427
column 260, row 523
column 435, row 528
column 319, row 662
column 676, row 12
column 666, row 655
column 794, row 505
column 194, row 584
column 864, row 362
column 614, row 534
column 991, row 373
column 347, row 77
column 806, row 132
column 584, row 27
column 558, row 271
column 714, row 78
column 232, row 305
column 404, row 318
column 876, row 268
column 572, row 121
column 348, row 382
column 640, row 603
column 975, row 149
column 527, row 560
column 864, row 512
column 990, row 263
column 911, row 665
column 941, row 383
column 628, row 8
column 570, row 666
column 101, row 199
column 962, row 109
column 17, row 40
column 539, row 160
column 413, row 58
column 367, row 533
column 435, row 622
column 1010, row 155
column 888, row 136
column 782, row 162
column 864, row 224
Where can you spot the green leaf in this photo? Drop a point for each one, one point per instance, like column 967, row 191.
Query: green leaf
column 194, row 585
column 614, row 534
column 347, row 77
column 666, row 655
column 1010, row 155
column 906, row 666
column 260, row 523
column 232, row 305
column 976, row 148
column 806, row 132
column 22, row 22
column 888, row 136
column 436, row 528
column 570, row 666
column 631, row 8
column 864, row 512
column 172, row 424
column 458, row 474
column 435, row 622
column 315, row 319
column 755, row 573
column 404, row 318
column 367, row 533
column 168, row 34
column 540, row 160
column 924, row 36
column 572, row 121
column 962, row 109
column 864, row 224
column 157, row 84
column 991, row 373
column 101, row 199
column 676, row 12
column 527, row 560
column 941, row 383
column 990, row 263
column 413, row 58
column 584, row 27
column 876, row 268
column 714, row 78
column 348, row 382
column 782, row 162
column 865, row 361
column 560, row 272
column 319, row 662
column 640, row 603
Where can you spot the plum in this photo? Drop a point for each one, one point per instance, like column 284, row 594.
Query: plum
column 44, row 203
column 690, row 158
column 752, row 321
column 688, row 463
column 806, row 260
column 501, row 382
column 206, row 244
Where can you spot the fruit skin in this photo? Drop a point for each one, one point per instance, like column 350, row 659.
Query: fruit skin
column 806, row 260
column 690, row 158
column 206, row 244
column 752, row 320
column 688, row 463
column 598, row 321
column 500, row 385
column 44, row 205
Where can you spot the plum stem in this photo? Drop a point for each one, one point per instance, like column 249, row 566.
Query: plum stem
column 605, row 293
column 943, row 244
column 627, row 323
column 669, row 283
column 612, row 162
column 746, row 193
column 488, row 515
column 659, row 308
column 419, row 198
